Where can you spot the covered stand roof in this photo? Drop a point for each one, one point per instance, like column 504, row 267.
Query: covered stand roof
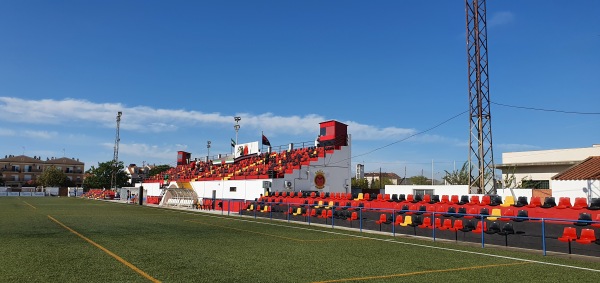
column 588, row 169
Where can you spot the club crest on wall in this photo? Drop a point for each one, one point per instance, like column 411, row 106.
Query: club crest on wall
column 319, row 179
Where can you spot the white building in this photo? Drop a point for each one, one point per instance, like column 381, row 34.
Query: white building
column 535, row 169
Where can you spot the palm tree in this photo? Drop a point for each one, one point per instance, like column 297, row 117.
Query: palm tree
column 459, row 177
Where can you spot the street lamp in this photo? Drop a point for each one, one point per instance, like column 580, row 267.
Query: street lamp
column 236, row 127
column 208, row 151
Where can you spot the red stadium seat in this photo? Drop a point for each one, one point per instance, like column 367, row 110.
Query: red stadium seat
column 447, row 224
column 426, row 198
column 474, row 200
column 580, row 203
column 509, row 212
column 458, row 224
column 587, row 236
column 383, row 219
column 569, row 235
column 485, row 200
column 398, row 220
column 445, row 199
column 564, row 202
column 535, row 202
column 479, row 229
column 472, row 211
column 386, row 197
column 454, row 199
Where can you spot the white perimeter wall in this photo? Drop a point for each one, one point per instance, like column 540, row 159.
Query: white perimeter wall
column 459, row 190
column 437, row 189
column 244, row 189
column 152, row 189
column 582, row 188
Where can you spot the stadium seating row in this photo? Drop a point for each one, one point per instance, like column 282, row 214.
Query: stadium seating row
column 99, row 194
column 587, row 236
column 474, row 200
column 261, row 166
column 582, row 218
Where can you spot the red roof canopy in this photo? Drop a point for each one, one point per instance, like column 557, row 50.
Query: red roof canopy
column 589, row 169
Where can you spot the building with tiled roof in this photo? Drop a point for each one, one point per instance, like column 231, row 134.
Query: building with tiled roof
column 393, row 177
column 22, row 171
column 582, row 179
column 588, row 169
column 137, row 174
column 535, row 169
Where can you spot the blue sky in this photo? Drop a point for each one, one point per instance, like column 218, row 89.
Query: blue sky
column 181, row 70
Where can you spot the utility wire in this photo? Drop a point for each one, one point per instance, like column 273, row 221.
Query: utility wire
column 406, row 138
column 460, row 114
column 547, row 110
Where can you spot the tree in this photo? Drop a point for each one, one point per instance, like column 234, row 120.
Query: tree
column 359, row 183
column 380, row 183
column 509, row 180
column 100, row 177
column 419, row 180
column 159, row 169
column 459, row 177
column 53, row 177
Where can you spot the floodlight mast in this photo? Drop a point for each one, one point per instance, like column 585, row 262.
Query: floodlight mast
column 481, row 155
column 115, row 161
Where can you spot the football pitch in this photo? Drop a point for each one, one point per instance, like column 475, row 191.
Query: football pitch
column 81, row 240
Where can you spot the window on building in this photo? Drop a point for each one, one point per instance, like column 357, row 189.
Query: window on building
column 422, row 192
column 536, row 184
column 26, row 177
column 233, row 189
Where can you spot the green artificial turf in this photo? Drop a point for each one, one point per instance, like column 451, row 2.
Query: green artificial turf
column 191, row 246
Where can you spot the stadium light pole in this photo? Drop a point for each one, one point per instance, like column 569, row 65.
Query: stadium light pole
column 236, row 127
column 207, row 151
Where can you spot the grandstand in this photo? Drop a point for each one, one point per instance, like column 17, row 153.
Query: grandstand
column 311, row 184
column 250, row 173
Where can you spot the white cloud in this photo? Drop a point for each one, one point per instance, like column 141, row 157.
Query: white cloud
column 147, row 119
column 146, row 151
column 6, row 132
column 39, row 134
column 366, row 132
column 501, row 18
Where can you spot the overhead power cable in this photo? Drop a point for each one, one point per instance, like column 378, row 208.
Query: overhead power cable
column 408, row 137
column 547, row 110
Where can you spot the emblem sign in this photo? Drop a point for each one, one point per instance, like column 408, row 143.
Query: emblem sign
column 319, row 179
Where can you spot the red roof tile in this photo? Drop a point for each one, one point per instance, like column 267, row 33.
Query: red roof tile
column 589, row 169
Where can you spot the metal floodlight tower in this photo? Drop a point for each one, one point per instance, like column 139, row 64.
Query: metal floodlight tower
column 208, row 150
column 481, row 156
column 236, row 127
column 113, row 179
